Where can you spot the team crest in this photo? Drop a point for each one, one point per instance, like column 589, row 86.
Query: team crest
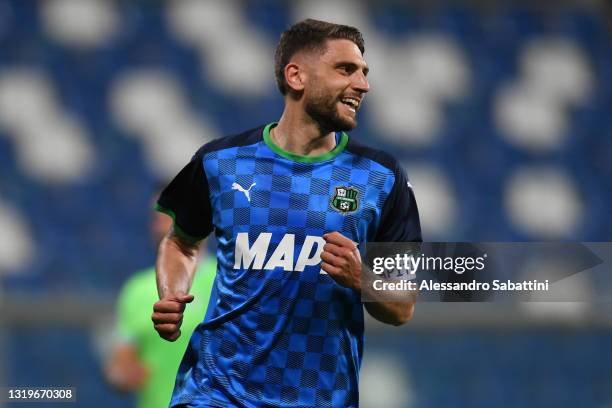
column 345, row 199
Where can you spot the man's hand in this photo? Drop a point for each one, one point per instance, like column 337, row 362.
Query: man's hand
column 341, row 260
column 168, row 316
column 125, row 371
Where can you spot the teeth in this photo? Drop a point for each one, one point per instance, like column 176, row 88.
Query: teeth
column 350, row 101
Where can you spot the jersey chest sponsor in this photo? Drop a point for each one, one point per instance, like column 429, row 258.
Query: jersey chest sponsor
column 257, row 256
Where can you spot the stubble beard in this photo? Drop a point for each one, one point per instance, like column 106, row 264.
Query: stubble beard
column 323, row 108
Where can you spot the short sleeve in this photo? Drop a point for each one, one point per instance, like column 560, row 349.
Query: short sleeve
column 399, row 220
column 186, row 200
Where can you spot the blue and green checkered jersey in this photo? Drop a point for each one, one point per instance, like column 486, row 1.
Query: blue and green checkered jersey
column 279, row 331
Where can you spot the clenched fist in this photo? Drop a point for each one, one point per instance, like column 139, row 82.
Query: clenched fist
column 341, row 260
column 168, row 316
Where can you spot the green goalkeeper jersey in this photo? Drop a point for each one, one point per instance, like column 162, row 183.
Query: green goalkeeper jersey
column 162, row 358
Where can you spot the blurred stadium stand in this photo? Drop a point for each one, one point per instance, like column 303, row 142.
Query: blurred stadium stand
column 501, row 113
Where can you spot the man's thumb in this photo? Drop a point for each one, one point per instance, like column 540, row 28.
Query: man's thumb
column 185, row 298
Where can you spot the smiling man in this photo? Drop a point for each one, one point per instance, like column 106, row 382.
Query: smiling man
column 289, row 203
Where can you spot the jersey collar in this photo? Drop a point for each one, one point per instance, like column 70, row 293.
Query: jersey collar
column 299, row 158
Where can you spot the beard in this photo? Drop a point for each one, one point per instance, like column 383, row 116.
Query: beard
column 323, row 108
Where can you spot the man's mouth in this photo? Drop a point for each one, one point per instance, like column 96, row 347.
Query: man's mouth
column 351, row 103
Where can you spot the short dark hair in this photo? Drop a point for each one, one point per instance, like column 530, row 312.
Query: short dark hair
column 309, row 35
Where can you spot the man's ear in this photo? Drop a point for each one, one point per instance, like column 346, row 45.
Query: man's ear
column 294, row 75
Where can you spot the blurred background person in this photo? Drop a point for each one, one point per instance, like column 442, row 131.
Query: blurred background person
column 140, row 361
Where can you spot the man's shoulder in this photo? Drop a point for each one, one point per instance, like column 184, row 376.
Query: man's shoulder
column 379, row 156
column 246, row 138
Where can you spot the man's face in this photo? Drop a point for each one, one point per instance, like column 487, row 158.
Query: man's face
column 335, row 85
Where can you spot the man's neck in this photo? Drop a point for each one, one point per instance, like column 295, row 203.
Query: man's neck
column 302, row 136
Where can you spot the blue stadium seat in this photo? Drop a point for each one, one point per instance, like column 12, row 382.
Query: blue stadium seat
column 459, row 21
column 272, row 16
column 581, row 24
column 395, row 20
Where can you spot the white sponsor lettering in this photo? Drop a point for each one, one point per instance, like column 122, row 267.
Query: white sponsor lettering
column 253, row 257
column 304, row 259
column 283, row 255
column 244, row 255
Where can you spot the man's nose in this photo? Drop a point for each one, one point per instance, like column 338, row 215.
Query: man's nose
column 360, row 83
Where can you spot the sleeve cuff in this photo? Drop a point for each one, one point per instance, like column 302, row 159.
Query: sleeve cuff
column 179, row 231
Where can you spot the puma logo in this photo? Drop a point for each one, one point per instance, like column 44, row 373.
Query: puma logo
column 247, row 192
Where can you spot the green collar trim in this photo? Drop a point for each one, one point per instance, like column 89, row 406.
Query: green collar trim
column 303, row 159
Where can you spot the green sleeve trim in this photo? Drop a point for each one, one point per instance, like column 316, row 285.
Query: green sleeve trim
column 179, row 231
column 299, row 158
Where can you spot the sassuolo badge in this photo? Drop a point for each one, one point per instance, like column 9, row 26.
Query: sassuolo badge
column 345, row 199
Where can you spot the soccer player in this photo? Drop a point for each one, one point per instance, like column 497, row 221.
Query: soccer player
column 289, row 204
column 140, row 361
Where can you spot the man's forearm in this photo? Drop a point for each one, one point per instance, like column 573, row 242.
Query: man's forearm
column 395, row 313
column 387, row 306
column 342, row 261
column 175, row 266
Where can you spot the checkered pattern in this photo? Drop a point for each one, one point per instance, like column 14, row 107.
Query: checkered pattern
column 277, row 338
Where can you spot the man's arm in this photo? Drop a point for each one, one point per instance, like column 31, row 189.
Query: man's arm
column 342, row 261
column 395, row 313
column 124, row 369
column 175, row 267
